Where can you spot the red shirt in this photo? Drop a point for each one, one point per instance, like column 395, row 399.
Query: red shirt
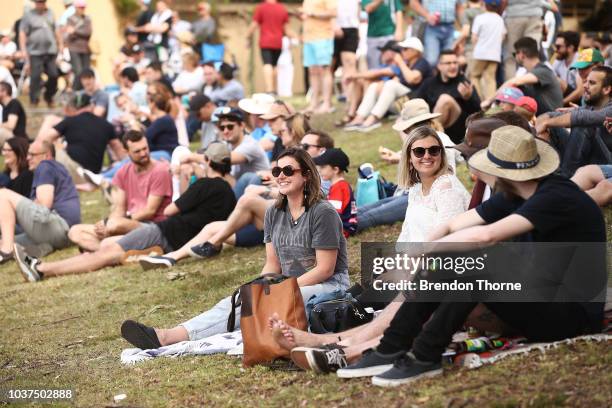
column 271, row 18
column 341, row 197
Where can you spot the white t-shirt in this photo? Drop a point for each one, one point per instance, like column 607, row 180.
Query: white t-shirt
column 7, row 50
column 348, row 13
column 5, row 76
column 187, row 82
column 490, row 29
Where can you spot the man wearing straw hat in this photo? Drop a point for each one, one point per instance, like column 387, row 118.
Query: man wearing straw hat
column 537, row 206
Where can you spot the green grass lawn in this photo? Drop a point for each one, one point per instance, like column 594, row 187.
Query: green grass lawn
column 64, row 333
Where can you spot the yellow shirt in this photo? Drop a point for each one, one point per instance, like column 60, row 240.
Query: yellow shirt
column 316, row 28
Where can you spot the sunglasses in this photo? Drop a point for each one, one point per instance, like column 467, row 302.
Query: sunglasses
column 229, row 127
column 307, row 146
column 287, row 171
column 419, row 152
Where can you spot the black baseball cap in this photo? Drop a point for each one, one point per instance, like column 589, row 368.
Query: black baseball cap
column 391, row 45
column 233, row 114
column 197, row 102
column 334, row 157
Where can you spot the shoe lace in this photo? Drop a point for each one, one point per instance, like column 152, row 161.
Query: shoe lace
column 335, row 357
column 403, row 361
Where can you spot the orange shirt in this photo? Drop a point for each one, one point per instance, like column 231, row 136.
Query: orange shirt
column 316, row 28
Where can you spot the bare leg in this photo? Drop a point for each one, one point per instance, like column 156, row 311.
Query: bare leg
column 250, row 209
column 8, row 204
column 108, row 255
column 204, row 235
column 587, row 177
column 353, row 353
column 85, row 237
column 602, row 193
column 327, row 89
column 268, row 74
column 171, row 336
column 449, row 110
column 315, row 75
column 349, row 67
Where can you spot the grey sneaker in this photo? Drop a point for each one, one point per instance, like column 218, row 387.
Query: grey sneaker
column 365, row 129
column 156, row 261
column 27, row 264
column 406, row 370
column 205, row 250
column 372, row 363
column 5, row 257
column 320, row 360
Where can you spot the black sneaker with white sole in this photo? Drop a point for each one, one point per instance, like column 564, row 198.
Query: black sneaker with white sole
column 406, row 370
column 371, row 363
column 155, row 261
column 321, row 360
column 27, row 265
column 205, row 250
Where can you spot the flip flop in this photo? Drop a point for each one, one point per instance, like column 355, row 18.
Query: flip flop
column 141, row 336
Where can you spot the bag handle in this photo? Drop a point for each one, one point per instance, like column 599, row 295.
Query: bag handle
column 236, row 302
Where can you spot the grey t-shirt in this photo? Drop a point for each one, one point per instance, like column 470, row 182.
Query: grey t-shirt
column 231, row 91
column 40, row 32
column 547, row 91
column 295, row 243
column 526, row 8
column 256, row 158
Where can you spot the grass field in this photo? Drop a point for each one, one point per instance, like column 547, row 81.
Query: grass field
column 64, row 333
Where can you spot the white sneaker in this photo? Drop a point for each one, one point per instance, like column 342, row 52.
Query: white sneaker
column 27, row 264
column 90, row 176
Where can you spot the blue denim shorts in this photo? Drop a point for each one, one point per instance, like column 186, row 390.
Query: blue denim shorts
column 318, row 52
column 606, row 169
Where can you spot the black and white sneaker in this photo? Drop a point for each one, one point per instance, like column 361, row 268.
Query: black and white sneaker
column 320, row 360
column 27, row 264
column 372, row 363
column 156, row 261
column 205, row 250
column 406, row 370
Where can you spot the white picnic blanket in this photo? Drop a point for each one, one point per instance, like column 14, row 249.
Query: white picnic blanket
column 219, row 343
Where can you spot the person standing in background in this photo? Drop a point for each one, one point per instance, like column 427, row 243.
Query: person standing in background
column 271, row 18
column 385, row 23
column 345, row 46
column 40, row 40
column 203, row 28
column 78, row 32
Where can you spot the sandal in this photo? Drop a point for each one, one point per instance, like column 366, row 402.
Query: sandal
column 141, row 336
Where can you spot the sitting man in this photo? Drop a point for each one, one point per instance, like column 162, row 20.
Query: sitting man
column 13, row 114
column 142, row 190
column 47, row 215
column 450, row 94
column 409, row 70
column 588, row 142
column 202, row 108
column 99, row 98
column 209, row 199
column 229, row 90
column 86, row 136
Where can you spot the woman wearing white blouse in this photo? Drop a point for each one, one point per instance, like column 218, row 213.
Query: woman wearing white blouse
column 435, row 194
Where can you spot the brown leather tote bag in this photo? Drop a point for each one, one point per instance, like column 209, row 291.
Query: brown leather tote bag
column 258, row 300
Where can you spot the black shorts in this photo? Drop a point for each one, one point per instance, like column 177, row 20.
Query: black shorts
column 270, row 56
column 348, row 42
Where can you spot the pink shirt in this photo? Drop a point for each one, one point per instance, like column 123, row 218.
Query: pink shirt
column 138, row 187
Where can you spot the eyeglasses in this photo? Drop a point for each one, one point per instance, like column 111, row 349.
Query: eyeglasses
column 419, row 152
column 229, row 127
column 307, row 146
column 287, row 171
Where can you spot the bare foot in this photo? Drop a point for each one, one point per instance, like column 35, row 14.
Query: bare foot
column 278, row 329
column 292, row 337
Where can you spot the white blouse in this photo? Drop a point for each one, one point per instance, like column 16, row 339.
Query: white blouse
column 446, row 199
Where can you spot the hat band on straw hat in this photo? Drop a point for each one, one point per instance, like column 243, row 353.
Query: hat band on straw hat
column 513, row 165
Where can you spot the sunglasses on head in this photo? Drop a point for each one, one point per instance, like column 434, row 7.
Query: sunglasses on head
column 307, row 146
column 229, row 127
column 287, row 171
column 419, row 152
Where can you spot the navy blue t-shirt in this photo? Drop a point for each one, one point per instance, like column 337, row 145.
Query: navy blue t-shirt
column 162, row 134
column 420, row 65
column 65, row 197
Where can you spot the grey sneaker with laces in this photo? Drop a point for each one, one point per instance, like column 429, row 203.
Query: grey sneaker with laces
column 371, row 363
column 27, row 264
column 406, row 370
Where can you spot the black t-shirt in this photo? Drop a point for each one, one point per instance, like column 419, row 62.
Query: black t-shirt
column 205, row 201
column 14, row 107
column 86, row 136
column 22, row 184
column 559, row 212
column 277, row 149
column 547, row 91
column 162, row 134
column 143, row 19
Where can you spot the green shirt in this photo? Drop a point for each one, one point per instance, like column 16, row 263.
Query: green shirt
column 381, row 21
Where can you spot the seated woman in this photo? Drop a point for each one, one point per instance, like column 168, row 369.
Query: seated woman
column 16, row 176
column 435, row 196
column 534, row 205
column 303, row 236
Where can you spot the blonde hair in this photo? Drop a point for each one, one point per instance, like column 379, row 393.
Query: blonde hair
column 408, row 176
column 298, row 126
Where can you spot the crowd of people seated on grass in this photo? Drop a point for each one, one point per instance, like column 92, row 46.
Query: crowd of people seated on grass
column 189, row 165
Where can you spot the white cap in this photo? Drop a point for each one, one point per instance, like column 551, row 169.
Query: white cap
column 412, row 42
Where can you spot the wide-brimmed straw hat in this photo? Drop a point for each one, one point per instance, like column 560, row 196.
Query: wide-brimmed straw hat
column 257, row 104
column 515, row 154
column 413, row 111
column 279, row 109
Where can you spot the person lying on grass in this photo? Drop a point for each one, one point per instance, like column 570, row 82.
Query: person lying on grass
column 533, row 205
column 208, row 199
column 435, row 196
column 303, row 236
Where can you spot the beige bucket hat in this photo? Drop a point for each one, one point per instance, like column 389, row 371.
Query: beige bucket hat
column 413, row 111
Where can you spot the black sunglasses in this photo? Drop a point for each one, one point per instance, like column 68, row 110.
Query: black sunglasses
column 229, row 127
column 433, row 151
column 287, row 171
column 307, row 146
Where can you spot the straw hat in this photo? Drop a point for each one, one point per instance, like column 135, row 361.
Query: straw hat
column 515, row 154
column 257, row 104
column 284, row 110
column 414, row 111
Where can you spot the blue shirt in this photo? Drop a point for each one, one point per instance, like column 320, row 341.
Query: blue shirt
column 446, row 8
column 162, row 135
column 65, row 197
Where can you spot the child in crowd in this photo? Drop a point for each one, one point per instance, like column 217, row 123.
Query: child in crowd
column 332, row 164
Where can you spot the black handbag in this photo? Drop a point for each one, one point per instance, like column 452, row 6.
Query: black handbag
column 337, row 315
